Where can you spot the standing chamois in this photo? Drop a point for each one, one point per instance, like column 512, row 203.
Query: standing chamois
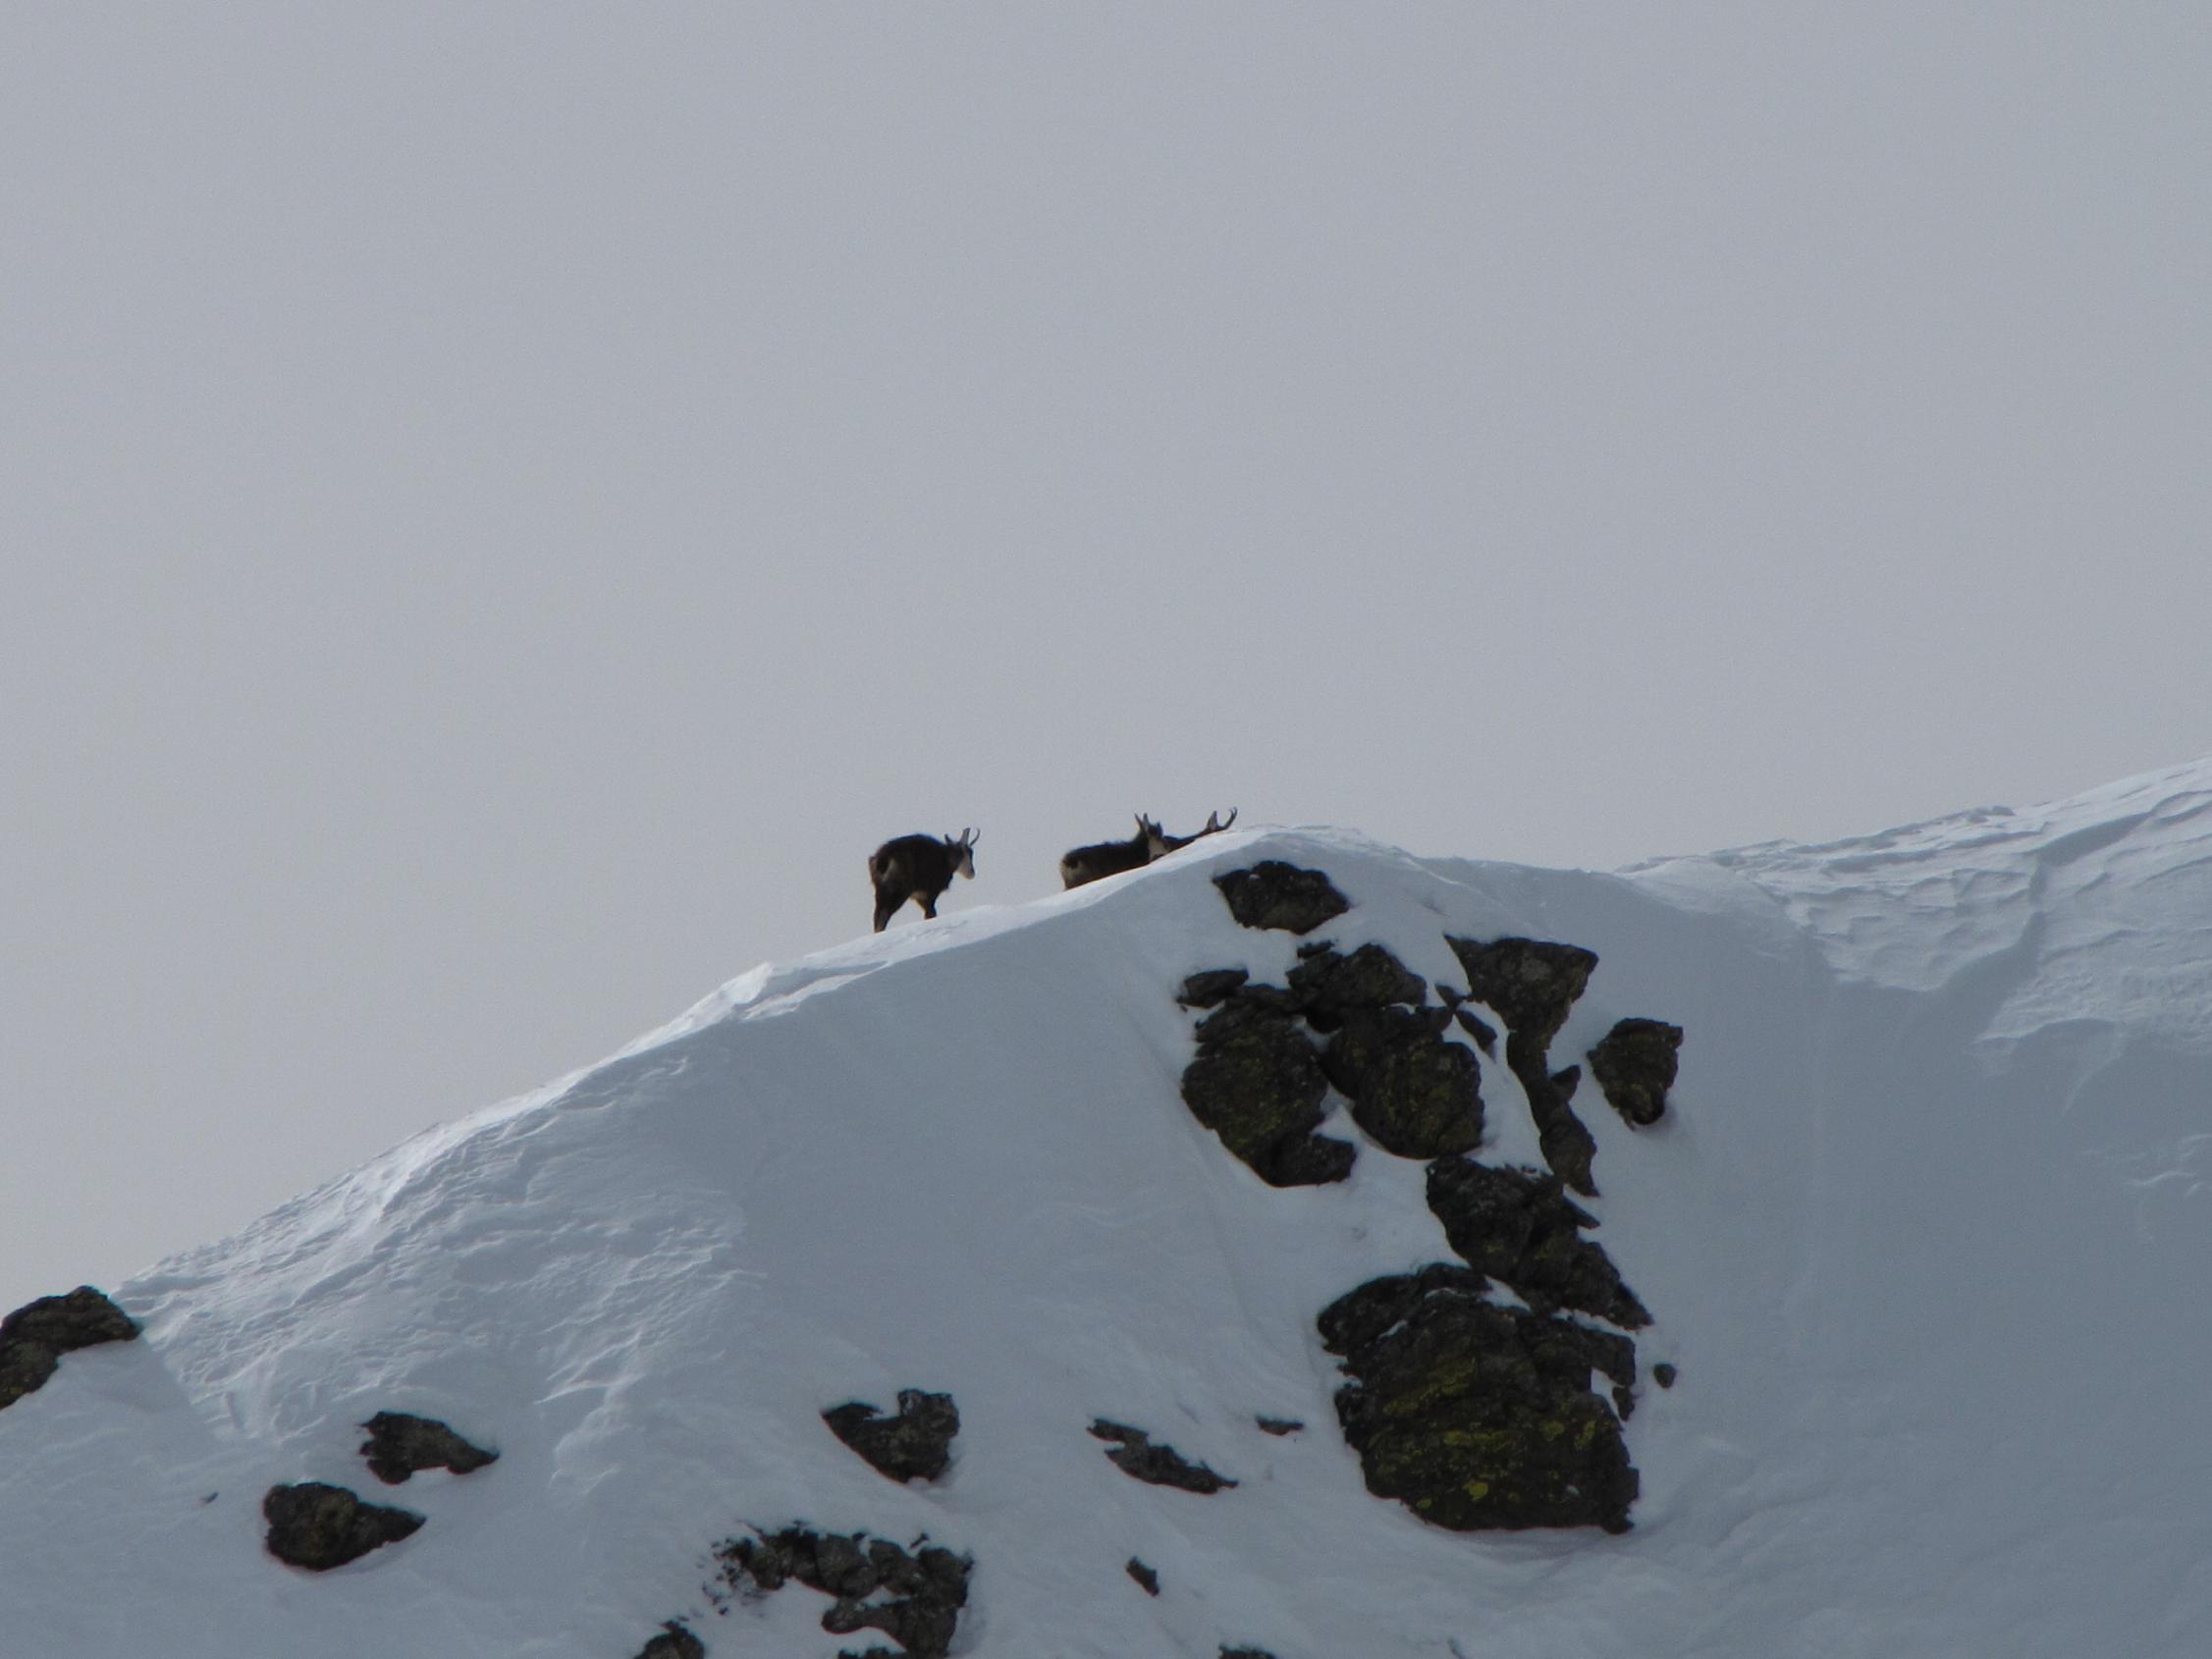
column 1113, row 858
column 918, row 867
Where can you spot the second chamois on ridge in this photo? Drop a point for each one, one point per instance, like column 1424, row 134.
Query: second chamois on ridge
column 1113, row 858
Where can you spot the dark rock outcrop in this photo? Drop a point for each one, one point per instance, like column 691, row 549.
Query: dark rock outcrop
column 1246, row 1653
column 1210, row 988
column 673, row 1642
column 1278, row 1426
column 320, row 1527
column 1635, row 1065
column 1533, row 985
column 1257, row 1084
column 1147, row 1579
column 1327, row 985
column 400, row 1445
column 1135, row 1455
column 913, row 1595
column 34, row 1337
column 1476, row 1415
column 1520, row 1229
column 1417, row 1094
column 1276, row 894
column 916, row 1444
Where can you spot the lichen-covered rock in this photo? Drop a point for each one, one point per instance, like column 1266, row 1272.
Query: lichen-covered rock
column 1276, row 894
column 1328, row 984
column 1522, row 1230
column 1257, row 1084
column 673, row 1642
column 1476, row 1415
column 1417, row 1094
column 400, row 1445
column 915, row 1444
column 34, row 1337
column 1635, row 1065
column 1135, row 1455
column 320, row 1527
column 912, row 1595
column 1531, row 982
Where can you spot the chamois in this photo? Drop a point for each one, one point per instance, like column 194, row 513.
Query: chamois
column 920, row 868
column 1164, row 844
column 1111, row 858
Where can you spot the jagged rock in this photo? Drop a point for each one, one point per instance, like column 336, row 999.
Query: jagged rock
column 1522, row 1230
column 1480, row 1030
column 913, row 1597
column 1276, row 894
column 673, row 1642
column 1146, row 1578
column 34, row 1337
column 320, row 1527
column 1565, row 1141
column 1415, row 1093
column 1278, row 1425
column 1210, row 988
column 1135, row 1455
column 1257, row 1084
column 914, row 1445
column 1531, row 983
column 1328, row 985
column 1479, row 1415
column 1635, row 1065
column 400, row 1445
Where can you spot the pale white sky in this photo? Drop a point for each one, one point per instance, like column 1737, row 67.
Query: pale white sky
column 506, row 505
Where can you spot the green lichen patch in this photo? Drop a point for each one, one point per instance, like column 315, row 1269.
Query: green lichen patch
column 1478, row 1415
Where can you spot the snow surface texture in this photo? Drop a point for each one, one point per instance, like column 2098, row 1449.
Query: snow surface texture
column 1923, row 1231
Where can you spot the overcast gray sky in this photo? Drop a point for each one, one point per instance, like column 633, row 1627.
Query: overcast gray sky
column 505, row 504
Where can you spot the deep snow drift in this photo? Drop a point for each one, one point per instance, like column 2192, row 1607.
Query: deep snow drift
column 1923, row 1233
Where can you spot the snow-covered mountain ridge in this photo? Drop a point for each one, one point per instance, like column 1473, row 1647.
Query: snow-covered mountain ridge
column 1921, row 1231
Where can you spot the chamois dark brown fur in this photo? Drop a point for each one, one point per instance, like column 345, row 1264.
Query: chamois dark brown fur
column 1111, row 858
column 919, row 867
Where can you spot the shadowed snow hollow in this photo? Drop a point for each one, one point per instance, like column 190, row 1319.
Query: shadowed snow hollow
column 1921, row 1232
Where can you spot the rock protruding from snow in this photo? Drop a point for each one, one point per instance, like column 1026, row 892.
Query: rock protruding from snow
column 319, row 1526
column 913, row 1444
column 1533, row 985
column 1635, row 1065
column 1134, row 1453
column 673, row 1642
column 34, row 1337
column 1280, row 895
column 1329, row 984
column 1257, row 1084
column 1146, row 1579
column 1417, row 1094
column 1476, row 1415
column 1522, row 1230
column 400, row 1445
column 913, row 1595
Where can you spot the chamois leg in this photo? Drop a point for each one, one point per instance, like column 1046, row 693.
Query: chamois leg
column 929, row 906
column 885, row 906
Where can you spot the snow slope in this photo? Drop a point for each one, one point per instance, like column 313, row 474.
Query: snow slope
column 1925, row 1234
